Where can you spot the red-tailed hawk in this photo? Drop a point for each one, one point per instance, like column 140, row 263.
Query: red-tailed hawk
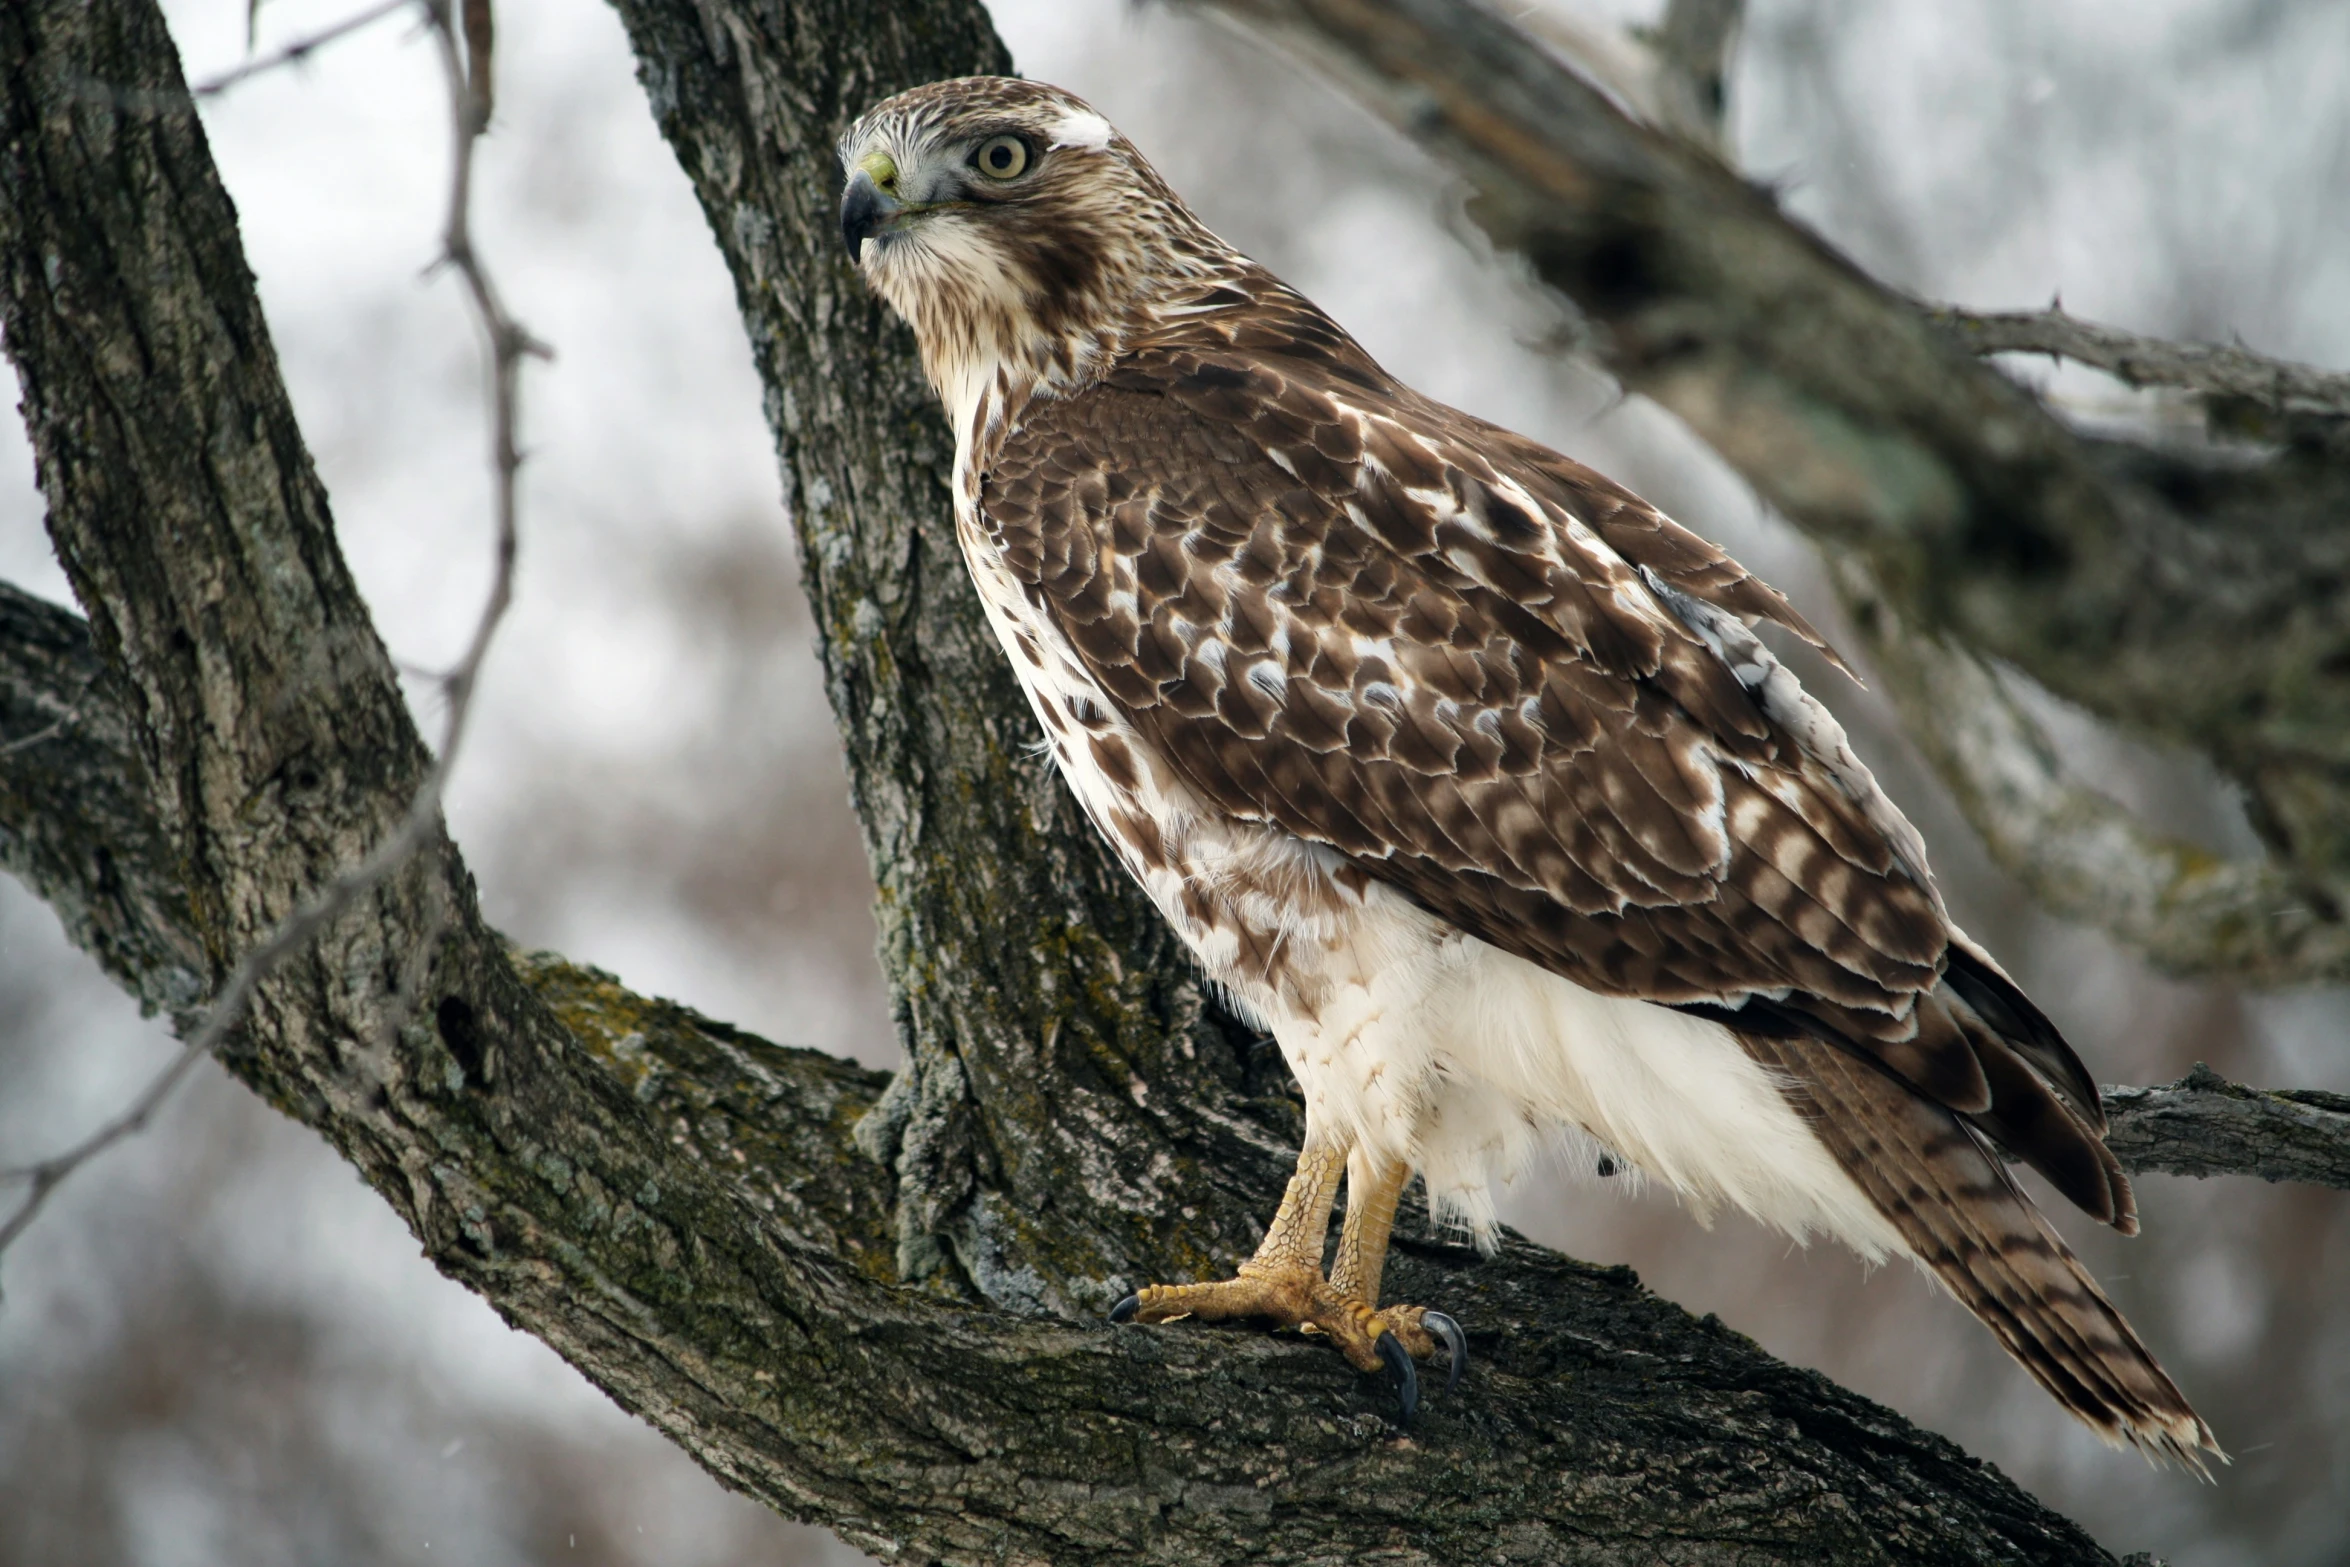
column 1461, row 769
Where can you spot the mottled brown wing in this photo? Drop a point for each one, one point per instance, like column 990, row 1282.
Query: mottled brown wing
column 1431, row 645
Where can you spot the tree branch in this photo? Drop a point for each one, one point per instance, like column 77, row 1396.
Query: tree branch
column 2078, row 851
column 124, row 908
column 293, row 53
column 790, row 1394
column 2196, row 601
column 299, row 49
column 719, row 1257
column 421, row 820
column 2204, row 1125
column 2212, row 369
column 104, row 868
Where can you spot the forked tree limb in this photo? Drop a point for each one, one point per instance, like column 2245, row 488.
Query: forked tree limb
column 419, row 823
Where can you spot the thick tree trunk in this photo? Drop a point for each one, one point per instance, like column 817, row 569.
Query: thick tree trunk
column 903, row 1349
column 1035, row 989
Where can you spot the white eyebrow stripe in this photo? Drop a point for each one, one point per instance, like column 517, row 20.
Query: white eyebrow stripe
column 1081, row 129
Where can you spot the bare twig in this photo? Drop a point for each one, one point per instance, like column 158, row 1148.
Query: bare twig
column 48, row 731
column 508, row 345
column 1693, row 45
column 69, row 712
column 137, row 100
column 480, row 37
column 300, row 49
column 2212, row 369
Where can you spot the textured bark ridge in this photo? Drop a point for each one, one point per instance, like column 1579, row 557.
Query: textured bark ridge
column 683, row 1212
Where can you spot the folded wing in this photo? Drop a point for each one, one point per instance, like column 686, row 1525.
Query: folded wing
column 1518, row 694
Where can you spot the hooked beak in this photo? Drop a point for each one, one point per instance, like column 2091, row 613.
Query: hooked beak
column 864, row 207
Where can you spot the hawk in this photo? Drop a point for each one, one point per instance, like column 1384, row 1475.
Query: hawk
column 1462, row 770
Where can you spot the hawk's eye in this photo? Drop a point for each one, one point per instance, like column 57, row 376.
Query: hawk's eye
column 1001, row 157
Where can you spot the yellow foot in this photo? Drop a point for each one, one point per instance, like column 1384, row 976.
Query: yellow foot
column 1302, row 1298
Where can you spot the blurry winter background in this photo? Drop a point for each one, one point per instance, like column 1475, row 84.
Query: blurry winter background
column 218, row 1348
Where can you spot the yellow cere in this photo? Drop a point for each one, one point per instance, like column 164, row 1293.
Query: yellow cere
column 880, row 167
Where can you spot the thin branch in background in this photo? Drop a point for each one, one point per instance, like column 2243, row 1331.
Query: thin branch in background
column 480, row 37
column 509, row 344
column 2212, row 369
column 132, row 100
column 49, row 731
column 1693, row 45
column 299, row 50
column 69, row 713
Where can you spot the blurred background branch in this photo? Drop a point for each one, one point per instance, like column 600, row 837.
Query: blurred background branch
column 1694, row 46
column 2197, row 599
column 297, row 50
column 2083, row 854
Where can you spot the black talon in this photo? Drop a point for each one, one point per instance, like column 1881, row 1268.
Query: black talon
column 1124, row 1311
column 1455, row 1341
column 1407, row 1378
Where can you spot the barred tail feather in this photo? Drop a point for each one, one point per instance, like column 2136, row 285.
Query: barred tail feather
column 1969, row 1225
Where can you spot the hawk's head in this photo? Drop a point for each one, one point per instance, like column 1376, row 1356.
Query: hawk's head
column 1010, row 224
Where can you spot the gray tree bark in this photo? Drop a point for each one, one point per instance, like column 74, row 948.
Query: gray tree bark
column 874, row 1306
